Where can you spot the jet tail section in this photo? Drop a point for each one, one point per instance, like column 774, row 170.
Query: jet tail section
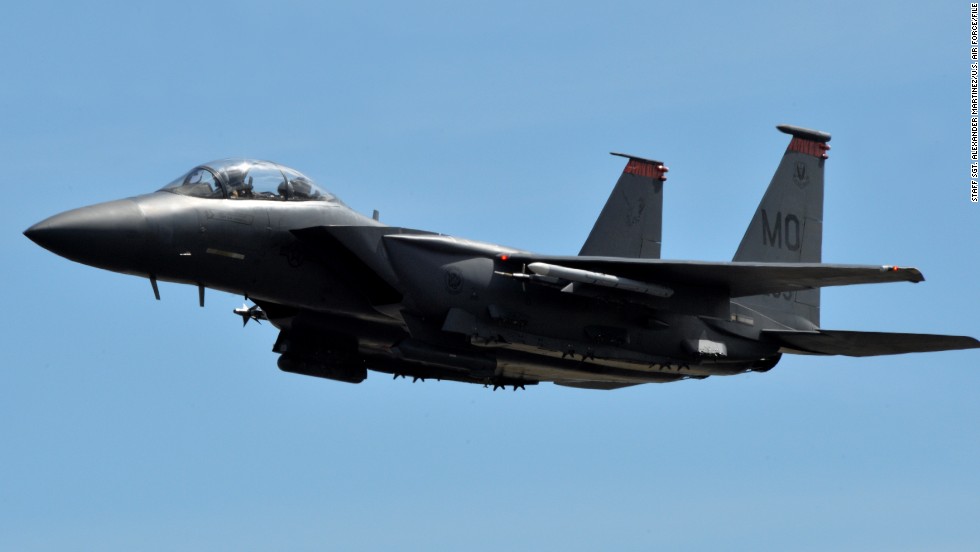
column 631, row 221
column 860, row 344
column 788, row 226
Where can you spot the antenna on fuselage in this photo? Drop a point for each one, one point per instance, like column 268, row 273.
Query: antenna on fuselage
column 156, row 290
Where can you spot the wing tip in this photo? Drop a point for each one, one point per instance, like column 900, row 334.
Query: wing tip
column 907, row 273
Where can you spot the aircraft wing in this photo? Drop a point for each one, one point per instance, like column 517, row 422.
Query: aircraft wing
column 655, row 276
column 740, row 279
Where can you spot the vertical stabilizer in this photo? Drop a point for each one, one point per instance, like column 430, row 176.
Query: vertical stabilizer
column 630, row 223
column 788, row 226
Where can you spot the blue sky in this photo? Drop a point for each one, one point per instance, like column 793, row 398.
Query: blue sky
column 127, row 423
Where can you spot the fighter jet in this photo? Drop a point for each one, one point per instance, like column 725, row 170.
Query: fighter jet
column 349, row 294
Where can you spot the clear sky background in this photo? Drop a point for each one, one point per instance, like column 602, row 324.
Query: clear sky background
column 132, row 424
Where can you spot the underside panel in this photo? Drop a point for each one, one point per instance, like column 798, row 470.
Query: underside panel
column 602, row 385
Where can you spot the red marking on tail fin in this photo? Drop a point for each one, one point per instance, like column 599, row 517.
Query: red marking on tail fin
column 646, row 169
column 809, row 147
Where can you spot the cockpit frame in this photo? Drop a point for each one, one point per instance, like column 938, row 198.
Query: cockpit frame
column 247, row 179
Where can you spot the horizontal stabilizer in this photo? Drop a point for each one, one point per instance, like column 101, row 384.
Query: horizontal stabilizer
column 859, row 344
column 740, row 279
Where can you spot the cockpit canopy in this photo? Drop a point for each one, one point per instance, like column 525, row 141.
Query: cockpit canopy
column 247, row 179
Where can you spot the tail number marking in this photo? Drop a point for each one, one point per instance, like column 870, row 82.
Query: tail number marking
column 784, row 230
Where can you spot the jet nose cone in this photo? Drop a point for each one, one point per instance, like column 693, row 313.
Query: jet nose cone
column 33, row 233
column 109, row 235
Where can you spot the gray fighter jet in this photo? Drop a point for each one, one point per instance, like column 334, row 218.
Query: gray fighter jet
column 349, row 294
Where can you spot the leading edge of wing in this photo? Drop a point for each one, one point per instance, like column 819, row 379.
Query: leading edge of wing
column 739, row 278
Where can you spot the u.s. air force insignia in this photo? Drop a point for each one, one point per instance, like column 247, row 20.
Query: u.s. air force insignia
column 454, row 280
column 800, row 175
column 293, row 253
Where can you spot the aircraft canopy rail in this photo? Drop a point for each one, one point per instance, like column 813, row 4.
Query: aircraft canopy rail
column 247, row 179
